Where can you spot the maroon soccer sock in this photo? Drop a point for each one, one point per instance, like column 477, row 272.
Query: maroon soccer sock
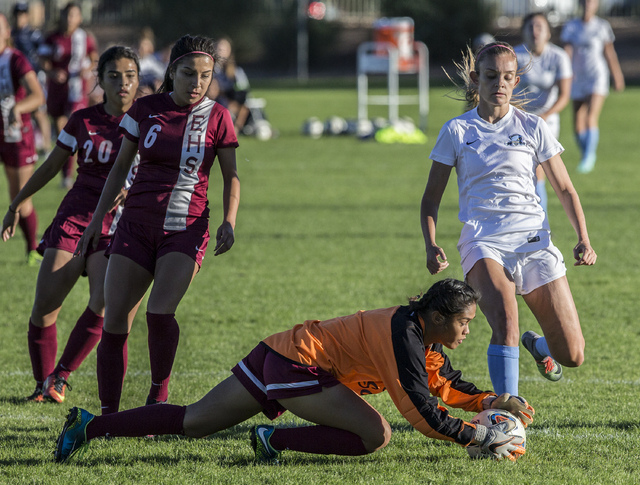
column 112, row 366
column 164, row 334
column 29, row 226
column 320, row 440
column 144, row 421
column 43, row 346
column 84, row 337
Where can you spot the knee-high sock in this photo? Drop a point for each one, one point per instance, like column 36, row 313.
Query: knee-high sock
column 84, row 337
column 112, row 366
column 144, row 421
column 503, row 368
column 581, row 138
column 541, row 190
column 321, row 440
column 29, row 226
column 164, row 334
column 43, row 346
column 592, row 138
column 542, row 348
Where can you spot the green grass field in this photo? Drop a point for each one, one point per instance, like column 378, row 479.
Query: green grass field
column 328, row 227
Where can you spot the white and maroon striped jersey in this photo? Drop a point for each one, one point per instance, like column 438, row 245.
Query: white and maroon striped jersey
column 177, row 146
column 13, row 67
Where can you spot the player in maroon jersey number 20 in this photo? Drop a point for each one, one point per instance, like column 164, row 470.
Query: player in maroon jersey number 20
column 163, row 233
column 93, row 133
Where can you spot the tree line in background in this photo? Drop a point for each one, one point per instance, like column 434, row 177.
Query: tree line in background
column 267, row 39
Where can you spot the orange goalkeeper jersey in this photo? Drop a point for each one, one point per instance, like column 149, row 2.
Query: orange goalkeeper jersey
column 378, row 350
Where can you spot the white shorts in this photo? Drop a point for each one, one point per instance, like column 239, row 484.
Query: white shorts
column 583, row 88
column 528, row 270
column 553, row 122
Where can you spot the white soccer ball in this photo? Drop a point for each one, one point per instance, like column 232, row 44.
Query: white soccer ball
column 365, row 129
column 313, row 127
column 335, row 125
column 492, row 417
column 263, row 130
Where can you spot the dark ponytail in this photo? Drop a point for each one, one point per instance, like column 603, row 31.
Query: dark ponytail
column 185, row 45
column 448, row 297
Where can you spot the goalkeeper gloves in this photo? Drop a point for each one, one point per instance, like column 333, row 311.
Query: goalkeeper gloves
column 516, row 405
column 495, row 442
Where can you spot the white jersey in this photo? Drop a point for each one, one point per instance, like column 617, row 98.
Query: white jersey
column 591, row 73
column 496, row 168
column 540, row 83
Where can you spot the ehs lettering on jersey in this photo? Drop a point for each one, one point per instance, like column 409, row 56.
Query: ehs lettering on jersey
column 193, row 148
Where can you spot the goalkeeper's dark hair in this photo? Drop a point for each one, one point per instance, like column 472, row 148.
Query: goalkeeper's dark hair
column 448, row 297
column 183, row 47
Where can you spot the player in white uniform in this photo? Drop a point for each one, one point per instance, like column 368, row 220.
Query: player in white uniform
column 505, row 245
column 546, row 82
column 589, row 42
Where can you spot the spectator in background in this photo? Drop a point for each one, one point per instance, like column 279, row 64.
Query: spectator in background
column 67, row 55
column 233, row 85
column 589, row 43
column 545, row 80
column 151, row 68
column 27, row 40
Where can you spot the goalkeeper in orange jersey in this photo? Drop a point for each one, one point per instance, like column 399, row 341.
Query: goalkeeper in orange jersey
column 319, row 370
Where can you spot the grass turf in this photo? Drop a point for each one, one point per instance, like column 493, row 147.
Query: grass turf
column 327, row 227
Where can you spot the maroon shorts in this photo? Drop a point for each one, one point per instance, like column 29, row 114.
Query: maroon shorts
column 64, row 234
column 145, row 244
column 269, row 376
column 58, row 103
column 22, row 153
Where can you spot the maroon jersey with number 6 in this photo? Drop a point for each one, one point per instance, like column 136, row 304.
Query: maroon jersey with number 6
column 177, row 146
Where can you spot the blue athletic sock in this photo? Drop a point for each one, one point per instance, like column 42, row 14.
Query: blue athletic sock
column 591, row 143
column 581, row 138
column 541, row 190
column 542, row 348
column 503, row 368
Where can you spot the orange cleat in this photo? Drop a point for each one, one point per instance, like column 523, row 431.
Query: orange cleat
column 54, row 388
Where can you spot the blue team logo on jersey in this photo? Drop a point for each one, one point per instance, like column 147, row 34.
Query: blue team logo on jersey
column 516, row 141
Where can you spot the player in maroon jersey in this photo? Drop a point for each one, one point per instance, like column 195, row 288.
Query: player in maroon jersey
column 163, row 233
column 20, row 94
column 93, row 134
column 67, row 55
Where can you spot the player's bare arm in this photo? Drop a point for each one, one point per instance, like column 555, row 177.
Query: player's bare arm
column 438, row 178
column 559, row 179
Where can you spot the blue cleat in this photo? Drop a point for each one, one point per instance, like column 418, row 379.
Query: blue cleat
column 265, row 453
column 74, row 434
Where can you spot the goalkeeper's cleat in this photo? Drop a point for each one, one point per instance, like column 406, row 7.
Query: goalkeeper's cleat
column 547, row 366
column 54, row 387
column 36, row 396
column 265, row 453
column 74, row 434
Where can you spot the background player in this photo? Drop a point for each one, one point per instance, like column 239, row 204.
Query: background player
column 505, row 245
column 164, row 230
column 67, row 56
column 589, row 42
column 27, row 40
column 317, row 370
column 545, row 80
column 20, row 94
column 93, row 134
